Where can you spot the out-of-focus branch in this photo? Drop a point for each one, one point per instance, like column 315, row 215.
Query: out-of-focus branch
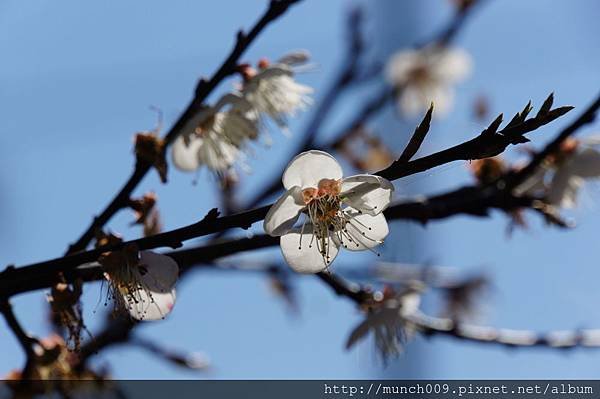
column 563, row 339
column 203, row 89
column 116, row 331
column 191, row 361
column 27, row 343
column 429, row 326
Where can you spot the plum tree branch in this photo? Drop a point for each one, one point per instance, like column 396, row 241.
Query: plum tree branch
column 430, row 326
column 27, row 342
column 203, row 89
column 471, row 200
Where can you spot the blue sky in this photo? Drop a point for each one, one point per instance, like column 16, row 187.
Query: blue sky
column 77, row 81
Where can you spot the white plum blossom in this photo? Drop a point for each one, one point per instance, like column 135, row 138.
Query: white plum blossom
column 143, row 286
column 426, row 75
column 339, row 212
column 272, row 89
column 576, row 161
column 217, row 135
column 389, row 321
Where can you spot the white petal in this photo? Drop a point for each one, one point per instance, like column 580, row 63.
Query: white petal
column 564, row 188
column 365, row 231
column 442, row 98
column 217, row 152
column 411, row 101
column 284, row 213
column 400, row 66
column 157, row 275
column 592, row 140
column 367, row 193
column 305, row 256
column 415, row 99
column 310, row 167
column 586, row 163
column 533, row 184
column 452, row 65
column 162, row 271
column 295, row 57
column 151, row 305
column 185, row 156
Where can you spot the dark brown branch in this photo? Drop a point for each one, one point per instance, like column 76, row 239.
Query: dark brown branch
column 27, row 343
column 488, row 144
column 470, row 200
column 204, row 88
column 343, row 288
column 587, row 117
column 473, row 200
column 116, row 331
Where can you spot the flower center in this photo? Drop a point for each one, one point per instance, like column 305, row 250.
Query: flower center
column 330, row 221
column 420, row 74
column 323, row 203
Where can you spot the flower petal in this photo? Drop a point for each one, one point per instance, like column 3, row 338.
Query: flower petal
column 303, row 251
column 363, row 231
column 534, row 183
column 217, row 152
column 295, row 57
column 162, row 271
column 157, row 275
column 401, row 65
column 310, row 167
column 151, row 306
column 185, row 156
column 367, row 193
column 564, row 188
column 451, row 64
column 284, row 213
column 586, row 163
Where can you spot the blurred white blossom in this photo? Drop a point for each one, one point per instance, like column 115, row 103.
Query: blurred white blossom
column 217, row 135
column 272, row 89
column 576, row 161
column 389, row 323
column 427, row 75
column 340, row 212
